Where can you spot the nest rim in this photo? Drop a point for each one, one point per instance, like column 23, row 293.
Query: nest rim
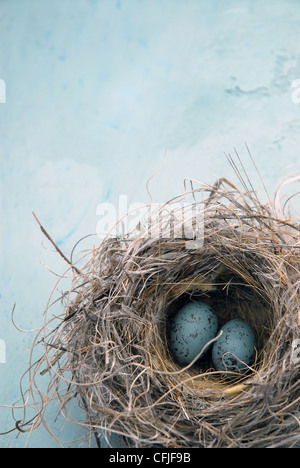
column 113, row 335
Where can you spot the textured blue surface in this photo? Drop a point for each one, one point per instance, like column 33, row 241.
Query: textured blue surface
column 95, row 93
column 235, row 349
column 192, row 327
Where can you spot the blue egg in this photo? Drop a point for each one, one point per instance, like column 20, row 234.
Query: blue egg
column 234, row 350
column 192, row 327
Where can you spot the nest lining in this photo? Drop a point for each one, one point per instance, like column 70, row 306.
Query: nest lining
column 111, row 347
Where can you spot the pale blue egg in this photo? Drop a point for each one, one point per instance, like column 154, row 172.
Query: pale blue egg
column 234, row 350
column 192, row 327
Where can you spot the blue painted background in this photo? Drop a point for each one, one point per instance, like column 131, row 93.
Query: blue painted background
column 96, row 91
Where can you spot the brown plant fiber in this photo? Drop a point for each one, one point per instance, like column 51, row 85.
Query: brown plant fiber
column 110, row 350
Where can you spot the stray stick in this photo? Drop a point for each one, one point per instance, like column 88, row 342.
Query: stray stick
column 56, row 246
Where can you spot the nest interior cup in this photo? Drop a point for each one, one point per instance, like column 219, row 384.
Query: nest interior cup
column 114, row 337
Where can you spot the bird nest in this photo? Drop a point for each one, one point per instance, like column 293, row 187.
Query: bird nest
column 110, row 350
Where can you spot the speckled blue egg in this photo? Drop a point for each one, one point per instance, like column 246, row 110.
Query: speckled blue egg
column 192, row 327
column 234, row 350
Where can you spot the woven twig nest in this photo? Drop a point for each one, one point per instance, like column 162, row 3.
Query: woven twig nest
column 111, row 348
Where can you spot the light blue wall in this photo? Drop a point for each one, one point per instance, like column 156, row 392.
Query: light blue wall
column 96, row 91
